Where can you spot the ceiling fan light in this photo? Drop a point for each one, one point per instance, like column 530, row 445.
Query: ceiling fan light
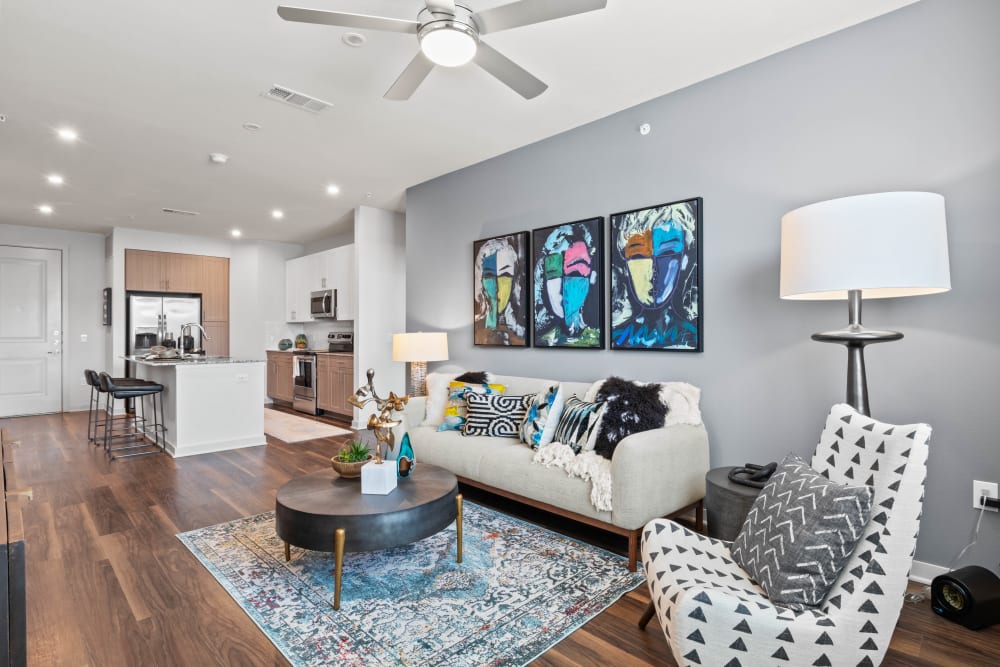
column 448, row 46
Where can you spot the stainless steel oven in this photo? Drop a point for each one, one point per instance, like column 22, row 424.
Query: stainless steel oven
column 304, row 396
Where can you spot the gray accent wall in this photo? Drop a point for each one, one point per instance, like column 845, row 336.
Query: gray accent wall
column 907, row 101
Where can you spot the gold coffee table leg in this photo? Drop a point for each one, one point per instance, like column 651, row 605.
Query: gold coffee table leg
column 458, row 527
column 288, row 552
column 338, row 564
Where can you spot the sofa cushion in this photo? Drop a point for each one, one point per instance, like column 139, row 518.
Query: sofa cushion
column 542, row 416
column 454, row 413
column 576, row 423
column 495, row 414
column 800, row 531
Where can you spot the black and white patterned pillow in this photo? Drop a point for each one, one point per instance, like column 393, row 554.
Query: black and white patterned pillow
column 577, row 421
column 495, row 414
column 800, row 532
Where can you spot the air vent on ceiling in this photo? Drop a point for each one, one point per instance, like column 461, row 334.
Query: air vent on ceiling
column 296, row 99
column 178, row 211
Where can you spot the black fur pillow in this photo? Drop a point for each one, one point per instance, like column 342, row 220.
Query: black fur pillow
column 474, row 377
column 628, row 408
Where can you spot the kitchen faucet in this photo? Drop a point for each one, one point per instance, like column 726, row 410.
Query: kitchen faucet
column 188, row 326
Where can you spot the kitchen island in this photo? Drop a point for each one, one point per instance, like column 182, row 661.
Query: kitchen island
column 210, row 404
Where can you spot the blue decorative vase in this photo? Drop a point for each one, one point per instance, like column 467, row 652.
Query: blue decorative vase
column 405, row 461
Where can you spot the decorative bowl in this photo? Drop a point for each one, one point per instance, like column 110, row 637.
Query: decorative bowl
column 284, row 344
column 347, row 469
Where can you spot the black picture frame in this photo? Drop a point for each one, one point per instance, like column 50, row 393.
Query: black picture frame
column 568, row 266
column 649, row 309
column 500, row 320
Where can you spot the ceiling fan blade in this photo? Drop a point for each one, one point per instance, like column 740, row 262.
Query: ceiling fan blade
column 526, row 12
column 411, row 78
column 345, row 20
column 516, row 77
column 441, row 6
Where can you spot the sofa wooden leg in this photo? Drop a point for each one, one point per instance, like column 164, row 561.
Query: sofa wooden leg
column 699, row 516
column 633, row 549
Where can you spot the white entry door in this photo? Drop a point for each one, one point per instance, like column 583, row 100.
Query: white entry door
column 30, row 331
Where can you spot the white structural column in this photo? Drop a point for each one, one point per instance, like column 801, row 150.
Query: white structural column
column 209, row 407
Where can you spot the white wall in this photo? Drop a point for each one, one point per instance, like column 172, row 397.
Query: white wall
column 82, row 281
column 380, row 255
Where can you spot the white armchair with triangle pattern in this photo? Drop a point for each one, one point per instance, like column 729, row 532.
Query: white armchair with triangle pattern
column 713, row 613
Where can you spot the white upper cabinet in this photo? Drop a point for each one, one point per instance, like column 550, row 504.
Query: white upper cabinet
column 331, row 269
column 297, row 289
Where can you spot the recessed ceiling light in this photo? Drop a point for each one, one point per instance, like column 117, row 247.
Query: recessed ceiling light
column 333, row 190
column 45, row 209
column 277, row 214
column 369, row 195
column 354, row 39
column 67, row 134
column 236, row 233
column 251, row 127
column 55, row 179
column 218, row 158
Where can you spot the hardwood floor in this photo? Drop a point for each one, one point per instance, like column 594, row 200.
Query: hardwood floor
column 109, row 584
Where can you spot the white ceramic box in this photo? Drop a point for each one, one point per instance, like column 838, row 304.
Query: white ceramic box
column 378, row 478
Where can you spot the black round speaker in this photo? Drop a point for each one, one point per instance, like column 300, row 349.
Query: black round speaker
column 969, row 596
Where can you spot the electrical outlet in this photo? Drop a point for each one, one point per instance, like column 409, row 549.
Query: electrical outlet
column 242, row 377
column 980, row 489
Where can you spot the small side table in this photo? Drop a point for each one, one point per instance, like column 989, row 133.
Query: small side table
column 726, row 504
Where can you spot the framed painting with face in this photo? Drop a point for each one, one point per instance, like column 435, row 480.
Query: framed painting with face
column 568, row 285
column 656, row 295
column 500, row 292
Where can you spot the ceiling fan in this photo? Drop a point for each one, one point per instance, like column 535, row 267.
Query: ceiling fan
column 449, row 35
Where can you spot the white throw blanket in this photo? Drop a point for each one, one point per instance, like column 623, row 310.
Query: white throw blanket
column 682, row 408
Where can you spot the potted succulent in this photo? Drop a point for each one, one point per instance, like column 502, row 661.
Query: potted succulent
column 349, row 460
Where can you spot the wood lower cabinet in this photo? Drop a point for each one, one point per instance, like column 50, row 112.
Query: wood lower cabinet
column 280, row 383
column 334, row 383
column 217, row 344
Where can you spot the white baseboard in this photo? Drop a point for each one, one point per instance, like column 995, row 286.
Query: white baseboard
column 923, row 572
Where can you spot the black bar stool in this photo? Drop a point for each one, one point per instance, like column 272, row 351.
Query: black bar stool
column 132, row 434
column 93, row 416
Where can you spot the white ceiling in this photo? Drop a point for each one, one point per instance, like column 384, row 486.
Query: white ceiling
column 153, row 87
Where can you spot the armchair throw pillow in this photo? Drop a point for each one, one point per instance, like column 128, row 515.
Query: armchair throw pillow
column 800, row 532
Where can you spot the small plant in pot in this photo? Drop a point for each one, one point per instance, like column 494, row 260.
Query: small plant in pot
column 349, row 460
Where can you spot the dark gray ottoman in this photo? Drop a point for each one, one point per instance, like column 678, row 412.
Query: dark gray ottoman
column 726, row 504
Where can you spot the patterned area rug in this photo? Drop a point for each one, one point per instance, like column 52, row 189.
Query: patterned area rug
column 297, row 429
column 519, row 590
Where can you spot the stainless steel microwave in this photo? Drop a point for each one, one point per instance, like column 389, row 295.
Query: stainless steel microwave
column 324, row 303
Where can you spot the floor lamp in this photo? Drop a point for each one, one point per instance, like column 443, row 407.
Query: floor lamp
column 419, row 348
column 882, row 245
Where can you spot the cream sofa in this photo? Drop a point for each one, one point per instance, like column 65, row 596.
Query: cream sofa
column 658, row 473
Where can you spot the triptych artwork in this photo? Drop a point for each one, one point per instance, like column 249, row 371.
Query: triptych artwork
column 655, row 269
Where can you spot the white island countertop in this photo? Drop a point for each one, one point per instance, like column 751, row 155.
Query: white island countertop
column 210, row 404
column 197, row 360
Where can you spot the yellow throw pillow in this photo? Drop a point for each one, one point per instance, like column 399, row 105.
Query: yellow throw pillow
column 457, row 408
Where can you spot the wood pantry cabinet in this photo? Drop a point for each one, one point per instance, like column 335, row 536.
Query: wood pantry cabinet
column 215, row 289
column 280, row 383
column 334, row 380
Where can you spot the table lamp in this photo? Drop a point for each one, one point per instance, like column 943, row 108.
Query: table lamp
column 883, row 245
column 419, row 348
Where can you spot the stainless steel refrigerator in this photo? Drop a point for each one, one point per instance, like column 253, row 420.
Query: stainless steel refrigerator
column 155, row 319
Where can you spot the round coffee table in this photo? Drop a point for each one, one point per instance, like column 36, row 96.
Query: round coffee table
column 323, row 511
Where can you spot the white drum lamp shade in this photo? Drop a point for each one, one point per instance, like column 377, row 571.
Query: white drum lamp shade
column 877, row 246
column 419, row 348
column 887, row 244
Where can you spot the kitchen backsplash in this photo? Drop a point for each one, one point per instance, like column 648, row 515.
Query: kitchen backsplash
column 315, row 331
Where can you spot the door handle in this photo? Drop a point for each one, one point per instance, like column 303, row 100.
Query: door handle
column 54, row 353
